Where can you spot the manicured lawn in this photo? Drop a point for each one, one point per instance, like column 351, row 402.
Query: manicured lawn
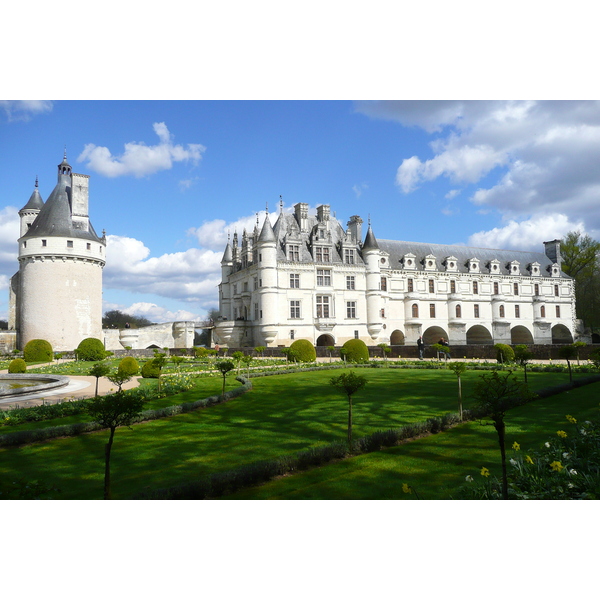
column 283, row 414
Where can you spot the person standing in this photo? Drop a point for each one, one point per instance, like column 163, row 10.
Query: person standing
column 420, row 346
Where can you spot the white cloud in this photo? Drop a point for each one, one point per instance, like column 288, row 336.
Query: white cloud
column 24, row 110
column 9, row 234
column 526, row 235
column 359, row 188
column 139, row 159
column 452, row 194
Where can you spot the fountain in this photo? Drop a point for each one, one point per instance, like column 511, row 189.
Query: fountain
column 16, row 384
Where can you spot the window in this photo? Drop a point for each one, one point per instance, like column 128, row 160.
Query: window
column 323, row 277
column 556, row 290
column 245, row 286
column 350, row 283
column 256, row 283
column 516, row 289
column 415, row 311
column 292, row 334
column 458, row 311
column 476, row 311
column 234, row 289
column 356, row 334
column 89, row 246
column 502, row 311
column 475, row 287
column 260, row 258
column 349, row 256
column 260, row 283
column 517, row 311
column 294, row 253
column 43, row 242
column 410, row 285
column 382, row 312
column 322, row 307
column 496, row 288
column 558, row 312
column 384, row 284
column 452, row 286
column 351, row 310
column 542, row 312
column 294, row 309
column 432, row 311
column 322, row 254
column 294, row 280
column 24, row 244
column 256, row 311
column 431, row 286
column 536, row 289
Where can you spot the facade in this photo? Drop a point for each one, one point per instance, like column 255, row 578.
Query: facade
column 308, row 278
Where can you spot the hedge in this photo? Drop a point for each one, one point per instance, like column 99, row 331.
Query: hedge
column 38, row 351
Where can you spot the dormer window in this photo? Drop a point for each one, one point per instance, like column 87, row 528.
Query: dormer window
column 514, row 267
column 430, row 263
column 348, row 256
column 474, row 265
column 451, row 263
column 409, row 261
column 534, row 269
column 322, row 254
column 494, row 266
column 293, row 253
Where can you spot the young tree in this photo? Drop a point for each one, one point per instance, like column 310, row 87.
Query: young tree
column 177, row 360
column 225, row 366
column 111, row 412
column 159, row 361
column 578, row 346
column 99, row 370
column 522, row 356
column 349, row 383
column 247, row 359
column 331, row 350
column 385, row 350
column 496, row 394
column 568, row 353
column 459, row 368
column 237, row 356
column 260, row 350
column 118, row 379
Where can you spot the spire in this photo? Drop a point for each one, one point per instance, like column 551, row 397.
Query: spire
column 370, row 241
column 267, row 234
column 35, row 200
column 228, row 254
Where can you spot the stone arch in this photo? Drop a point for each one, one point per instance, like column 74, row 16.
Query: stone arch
column 153, row 346
column 595, row 338
column 478, row 334
column 397, row 338
column 325, row 340
column 520, row 335
column 561, row 335
column 433, row 334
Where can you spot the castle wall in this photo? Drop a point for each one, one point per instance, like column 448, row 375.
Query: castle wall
column 178, row 334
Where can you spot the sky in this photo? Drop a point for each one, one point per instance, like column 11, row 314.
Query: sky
column 171, row 180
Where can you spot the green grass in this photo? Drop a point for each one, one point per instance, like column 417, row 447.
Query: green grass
column 283, row 414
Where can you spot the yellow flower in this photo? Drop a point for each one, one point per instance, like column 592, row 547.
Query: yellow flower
column 556, row 466
column 561, row 434
column 485, row 471
column 528, row 459
column 516, row 446
column 406, row 488
column 571, row 419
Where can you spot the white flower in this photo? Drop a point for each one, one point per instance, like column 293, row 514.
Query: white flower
column 513, row 462
column 583, row 431
column 468, row 478
column 566, row 455
column 572, row 471
column 547, row 444
column 570, row 485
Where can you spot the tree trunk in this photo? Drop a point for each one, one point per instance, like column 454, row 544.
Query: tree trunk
column 96, row 395
column 107, row 449
column 570, row 373
column 525, row 370
column 501, row 429
column 460, row 412
column 350, row 423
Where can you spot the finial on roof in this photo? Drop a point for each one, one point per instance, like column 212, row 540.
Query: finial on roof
column 36, row 181
column 280, row 203
column 257, row 219
column 267, row 207
column 369, row 219
column 65, row 154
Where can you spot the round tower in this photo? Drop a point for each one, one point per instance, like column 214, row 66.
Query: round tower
column 372, row 255
column 268, row 291
column 60, row 266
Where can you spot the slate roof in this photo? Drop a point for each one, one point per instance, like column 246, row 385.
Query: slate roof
column 35, row 201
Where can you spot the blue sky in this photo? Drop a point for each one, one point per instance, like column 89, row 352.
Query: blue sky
column 170, row 179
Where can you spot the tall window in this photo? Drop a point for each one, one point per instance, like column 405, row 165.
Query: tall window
column 410, row 285
column 292, row 334
column 517, row 311
column 382, row 313
column 542, row 312
column 256, row 283
column 476, row 311
column 245, row 286
column 294, row 280
column 384, row 284
column 69, row 243
column 415, row 311
column 349, row 256
column 43, row 242
column 536, row 289
column 322, row 307
column 475, row 287
column 452, row 286
column 351, row 310
column 293, row 253
column 556, row 290
column 558, row 312
column 323, row 277
column 516, row 289
column 432, row 311
column 294, row 309
column 321, row 254
column 235, row 289
column 502, row 311
column 496, row 288
column 458, row 311
column 256, row 311
column 350, row 282
column 431, row 286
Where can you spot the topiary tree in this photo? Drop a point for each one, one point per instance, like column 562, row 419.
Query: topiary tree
column 118, row 379
column 91, row 349
column 177, row 360
column 17, row 365
column 128, row 366
column 331, row 350
column 356, row 351
column 225, row 366
column 150, row 370
column 568, row 353
column 350, row 383
column 578, row 346
column 247, row 360
column 459, row 368
column 385, row 350
column 38, row 351
column 304, row 350
column 260, row 350
column 504, row 353
column 100, row 369
column 523, row 355
column 237, row 357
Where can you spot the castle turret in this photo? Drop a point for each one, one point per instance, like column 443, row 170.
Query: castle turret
column 371, row 255
column 268, row 291
column 225, row 287
column 60, row 267
column 31, row 210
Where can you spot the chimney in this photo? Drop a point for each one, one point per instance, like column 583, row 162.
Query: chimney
column 355, row 228
column 552, row 250
column 301, row 211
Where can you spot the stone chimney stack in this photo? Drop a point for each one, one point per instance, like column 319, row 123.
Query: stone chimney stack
column 355, row 228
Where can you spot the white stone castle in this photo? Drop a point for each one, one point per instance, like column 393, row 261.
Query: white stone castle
column 306, row 277
column 57, row 293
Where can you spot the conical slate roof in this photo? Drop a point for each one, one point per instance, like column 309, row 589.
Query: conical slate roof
column 35, row 201
column 370, row 241
column 267, row 234
column 228, row 254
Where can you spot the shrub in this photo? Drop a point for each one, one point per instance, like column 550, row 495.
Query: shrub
column 38, row 351
column 504, row 353
column 91, row 349
column 150, row 370
column 128, row 366
column 17, row 366
column 305, row 351
column 356, row 351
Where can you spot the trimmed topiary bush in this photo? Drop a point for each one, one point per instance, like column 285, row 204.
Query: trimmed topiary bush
column 356, row 351
column 38, row 351
column 17, row 366
column 304, row 351
column 90, row 349
column 150, row 370
column 128, row 366
column 504, row 353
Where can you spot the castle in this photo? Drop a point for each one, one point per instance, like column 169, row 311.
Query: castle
column 306, row 277
column 57, row 293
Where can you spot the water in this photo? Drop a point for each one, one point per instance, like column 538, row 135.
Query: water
column 8, row 384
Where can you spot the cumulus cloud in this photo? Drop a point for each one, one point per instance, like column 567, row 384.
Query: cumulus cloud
column 359, row 189
column 526, row 235
column 138, row 159
column 546, row 153
column 9, row 234
column 24, row 110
